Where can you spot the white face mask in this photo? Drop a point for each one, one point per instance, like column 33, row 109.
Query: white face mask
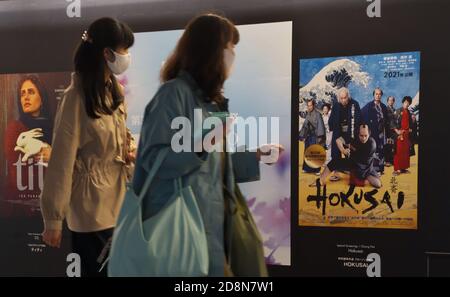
column 228, row 60
column 120, row 64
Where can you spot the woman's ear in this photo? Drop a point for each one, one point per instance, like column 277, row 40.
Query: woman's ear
column 108, row 55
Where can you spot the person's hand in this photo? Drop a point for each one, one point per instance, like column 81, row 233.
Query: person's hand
column 345, row 151
column 269, row 153
column 321, row 140
column 130, row 157
column 131, row 149
column 44, row 154
column 52, row 237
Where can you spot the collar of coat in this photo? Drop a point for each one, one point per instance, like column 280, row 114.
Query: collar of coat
column 187, row 77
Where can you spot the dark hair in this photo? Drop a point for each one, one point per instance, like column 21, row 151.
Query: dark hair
column 90, row 63
column 43, row 121
column 364, row 126
column 312, row 101
column 377, row 88
column 44, row 110
column 407, row 98
column 390, row 97
column 200, row 52
column 327, row 105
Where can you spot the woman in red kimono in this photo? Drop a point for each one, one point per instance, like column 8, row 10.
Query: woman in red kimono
column 403, row 127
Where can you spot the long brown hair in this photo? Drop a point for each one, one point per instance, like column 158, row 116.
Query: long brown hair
column 200, row 52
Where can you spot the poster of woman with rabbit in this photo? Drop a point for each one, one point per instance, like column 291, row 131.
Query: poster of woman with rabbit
column 29, row 102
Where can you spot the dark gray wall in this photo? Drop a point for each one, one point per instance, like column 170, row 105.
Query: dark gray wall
column 37, row 36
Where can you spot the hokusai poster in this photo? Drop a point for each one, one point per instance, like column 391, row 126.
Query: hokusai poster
column 358, row 141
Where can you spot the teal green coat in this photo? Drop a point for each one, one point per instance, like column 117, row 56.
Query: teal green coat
column 202, row 171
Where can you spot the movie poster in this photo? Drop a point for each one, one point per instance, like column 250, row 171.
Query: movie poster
column 28, row 106
column 359, row 141
column 260, row 86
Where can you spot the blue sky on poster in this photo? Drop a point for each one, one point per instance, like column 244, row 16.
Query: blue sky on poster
column 395, row 86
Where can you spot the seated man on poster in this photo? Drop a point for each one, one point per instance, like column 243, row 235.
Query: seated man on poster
column 359, row 158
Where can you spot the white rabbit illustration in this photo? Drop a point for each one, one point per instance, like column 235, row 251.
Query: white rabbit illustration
column 28, row 143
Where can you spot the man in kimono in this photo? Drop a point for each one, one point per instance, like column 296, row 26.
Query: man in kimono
column 312, row 132
column 359, row 158
column 326, row 111
column 390, row 134
column 344, row 122
column 375, row 114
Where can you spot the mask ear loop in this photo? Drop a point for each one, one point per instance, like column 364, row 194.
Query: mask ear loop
column 116, row 54
column 113, row 53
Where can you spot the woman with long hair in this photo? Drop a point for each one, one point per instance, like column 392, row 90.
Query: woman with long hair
column 90, row 162
column 193, row 78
